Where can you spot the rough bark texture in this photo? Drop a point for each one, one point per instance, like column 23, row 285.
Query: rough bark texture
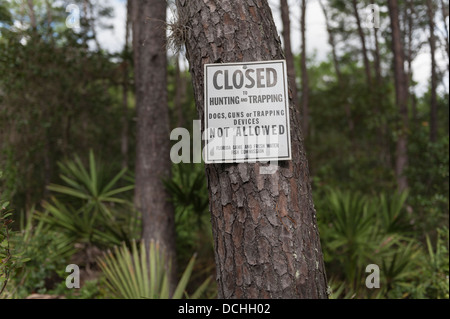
column 401, row 90
column 305, row 78
column 153, row 144
column 433, row 103
column 285, row 18
column 264, row 226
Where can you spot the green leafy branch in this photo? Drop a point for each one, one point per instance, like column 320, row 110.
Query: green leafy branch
column 8, row 260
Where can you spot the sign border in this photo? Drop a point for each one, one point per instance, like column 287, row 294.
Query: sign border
column 286, row 106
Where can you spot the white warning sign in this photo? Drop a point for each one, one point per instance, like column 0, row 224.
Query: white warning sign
column 246, row 112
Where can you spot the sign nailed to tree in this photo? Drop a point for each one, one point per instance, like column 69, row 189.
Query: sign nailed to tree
column 247, row 112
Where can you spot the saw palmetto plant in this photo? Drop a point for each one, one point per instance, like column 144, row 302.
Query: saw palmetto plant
column 141, row 273
column 90, row 205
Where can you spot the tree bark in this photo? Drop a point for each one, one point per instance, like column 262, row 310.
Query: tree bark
column 153, row 144
column 401, row 92
column 444, row 10
column 264, row 226
column 409, row 25
column 381, row 131
column 125, row 127
column 286, row 33
column 305, row 78
column 434, row 80
column 362, row 38
column 377, row 55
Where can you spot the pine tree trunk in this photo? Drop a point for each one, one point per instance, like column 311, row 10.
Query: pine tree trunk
column 33, row 21
column 264, row 226
column 362, row 38
column 288, row 49
column 377, row 52
column 433, row 102
column 337, row 69
column 48, row 6
column 410, row 15
column 153, row 144
column 382, row 138
column 401, row 90
column 445, row 13
column 92, row 24
column 125, row 126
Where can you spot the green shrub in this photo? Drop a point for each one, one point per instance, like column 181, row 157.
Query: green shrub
column 432, row 279
column 428, row 175
column 189, row 193
column 357, row 230
column 90, row 289
column 91, row 208
column 49, row 252
column 141, row 273
column 11, row 257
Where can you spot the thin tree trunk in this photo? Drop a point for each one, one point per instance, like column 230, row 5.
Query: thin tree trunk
column 125, row 126
column 445, row 13
column 382, row 139
column 47, row 164
column 410, row 14
column 434, row 80
column 331, row 41
column 378, row 74
column 153, row 163
column 86, row 15
column 264, row 226
column 92, row 24
column 337, row 69
column 305, row 78
column 401, row 90
column 49, row 13
column 49, row 9
column 286, row 32
column 362, row 38
column 414, row 114
column 89, row 21
column 66, row 134
column 377, row 55
column 33, row 21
